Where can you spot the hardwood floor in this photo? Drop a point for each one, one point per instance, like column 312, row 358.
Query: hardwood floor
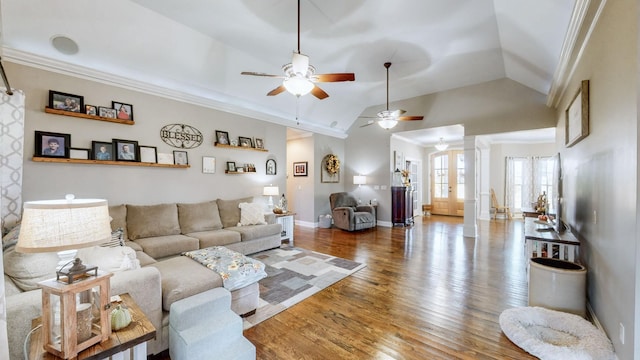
column 426, row 293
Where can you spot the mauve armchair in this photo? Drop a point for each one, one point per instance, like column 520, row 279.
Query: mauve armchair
column 349, row 215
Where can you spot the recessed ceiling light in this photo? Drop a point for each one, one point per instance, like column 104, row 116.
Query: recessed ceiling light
column 64, row 45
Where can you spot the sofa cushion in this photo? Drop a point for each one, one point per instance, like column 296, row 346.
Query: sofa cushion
column 216, row 237
column 145, row 221
column 202, row 216
column 112, row 259
column 257, row 231
column 26, row 270
column 162, row 246
column 144, row 258
column 183, row 277
column 230, row 211
column 118, row 215
column 251, row 214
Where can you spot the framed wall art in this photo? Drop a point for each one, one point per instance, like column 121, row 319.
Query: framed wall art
column 106, row 112
column 126, row 150
column 272, row 167
column 49, row 144
column 259, row 144
column 148, row 154
column 231, row 166
column 208, row 165
column 67, row 102
column 77, row 153
column 101, row 150
column 180, row 157
column 123, row 111
column 245, row 141
column 577, row 116
column 91, row 110
column 222, row 137
column 300, row 168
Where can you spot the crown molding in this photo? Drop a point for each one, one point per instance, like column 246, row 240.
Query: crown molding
column 199, row 97
column 584, row 18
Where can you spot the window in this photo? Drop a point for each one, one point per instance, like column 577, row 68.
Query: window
column 526, row 179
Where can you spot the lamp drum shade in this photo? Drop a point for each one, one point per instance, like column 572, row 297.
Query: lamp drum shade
column 56, row 225
column 271, row 191
column 359, row 180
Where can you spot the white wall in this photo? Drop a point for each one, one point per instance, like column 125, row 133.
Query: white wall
column 600, row 173
column 140, row 185
column 300, row 188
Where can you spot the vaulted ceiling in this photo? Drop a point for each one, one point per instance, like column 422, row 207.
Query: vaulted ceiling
column 196, row 49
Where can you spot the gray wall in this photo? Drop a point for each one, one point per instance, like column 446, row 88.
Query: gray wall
column 140, row 185
column 600, row 173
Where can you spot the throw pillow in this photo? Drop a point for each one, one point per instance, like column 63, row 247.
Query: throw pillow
column 118, row 215
column 145, row 221
column 251, row 214
column 117, row 239
column 11, row 238
column 230, row 212
column 112, row 259
column 202, row 216
column 27, row 270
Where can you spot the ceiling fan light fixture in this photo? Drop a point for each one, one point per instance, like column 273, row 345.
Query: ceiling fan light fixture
column 298, row 86
column 387, row 123
column 441, row 145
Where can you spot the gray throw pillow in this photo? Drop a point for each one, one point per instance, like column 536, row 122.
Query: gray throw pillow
column 145, row 221
column 197, row 217
column 230, row 211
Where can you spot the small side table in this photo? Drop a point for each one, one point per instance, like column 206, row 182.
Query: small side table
column 287, row 222
column 127, row 343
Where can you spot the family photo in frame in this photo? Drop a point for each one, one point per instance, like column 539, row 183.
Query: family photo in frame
column 67, row 102
column 50, row 144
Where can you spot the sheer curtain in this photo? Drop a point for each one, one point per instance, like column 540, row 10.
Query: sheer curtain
column 524, row 179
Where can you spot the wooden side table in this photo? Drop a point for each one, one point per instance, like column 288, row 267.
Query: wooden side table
column 127, row 343
column 287, row 222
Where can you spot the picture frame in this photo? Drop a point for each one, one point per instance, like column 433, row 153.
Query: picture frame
column 52, row 145
column 106, row 112
column 271, row 167
column 245, row 141
column 165, row 158
column 180, row 157
column 126, row 150
column 78, row 153
column 67, row 102
column 102, row 151
column 300, row 168
column 208, row 165
column 222, row 137
column 231, row 166
column 148, row 154
column 577, row 116
column 123, row 111
column 259, row 144
column 91, row 110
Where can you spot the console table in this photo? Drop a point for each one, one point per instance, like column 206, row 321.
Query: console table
column 541, row 240
column 127, row 343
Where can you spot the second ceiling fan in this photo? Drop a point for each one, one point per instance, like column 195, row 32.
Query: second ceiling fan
column 389, row 118
column 300, row 76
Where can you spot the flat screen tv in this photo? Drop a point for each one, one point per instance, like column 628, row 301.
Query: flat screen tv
column 556, row 203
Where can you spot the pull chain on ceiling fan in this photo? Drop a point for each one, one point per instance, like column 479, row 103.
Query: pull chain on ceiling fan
column 387, row 119
column 300, row 77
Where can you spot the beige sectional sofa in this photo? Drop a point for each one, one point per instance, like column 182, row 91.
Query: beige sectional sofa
column 158, row 234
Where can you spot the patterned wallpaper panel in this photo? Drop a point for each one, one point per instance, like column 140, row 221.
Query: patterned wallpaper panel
column 11, row 155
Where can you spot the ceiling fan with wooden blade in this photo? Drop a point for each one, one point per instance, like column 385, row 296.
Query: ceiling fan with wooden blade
column 300, row 77
column 389, row 118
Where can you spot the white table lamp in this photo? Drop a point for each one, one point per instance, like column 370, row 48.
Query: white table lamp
column 270, row 191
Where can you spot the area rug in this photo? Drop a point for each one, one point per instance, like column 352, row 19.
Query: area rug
column 294, row 274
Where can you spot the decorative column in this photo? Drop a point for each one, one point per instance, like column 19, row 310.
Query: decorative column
column 470, row 217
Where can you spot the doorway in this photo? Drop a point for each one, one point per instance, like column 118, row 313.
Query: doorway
column 447, row 183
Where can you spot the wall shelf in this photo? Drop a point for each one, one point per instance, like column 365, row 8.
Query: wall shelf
column 86, row 116
column 239, row 172
column 102, row 162
column 240, row 147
